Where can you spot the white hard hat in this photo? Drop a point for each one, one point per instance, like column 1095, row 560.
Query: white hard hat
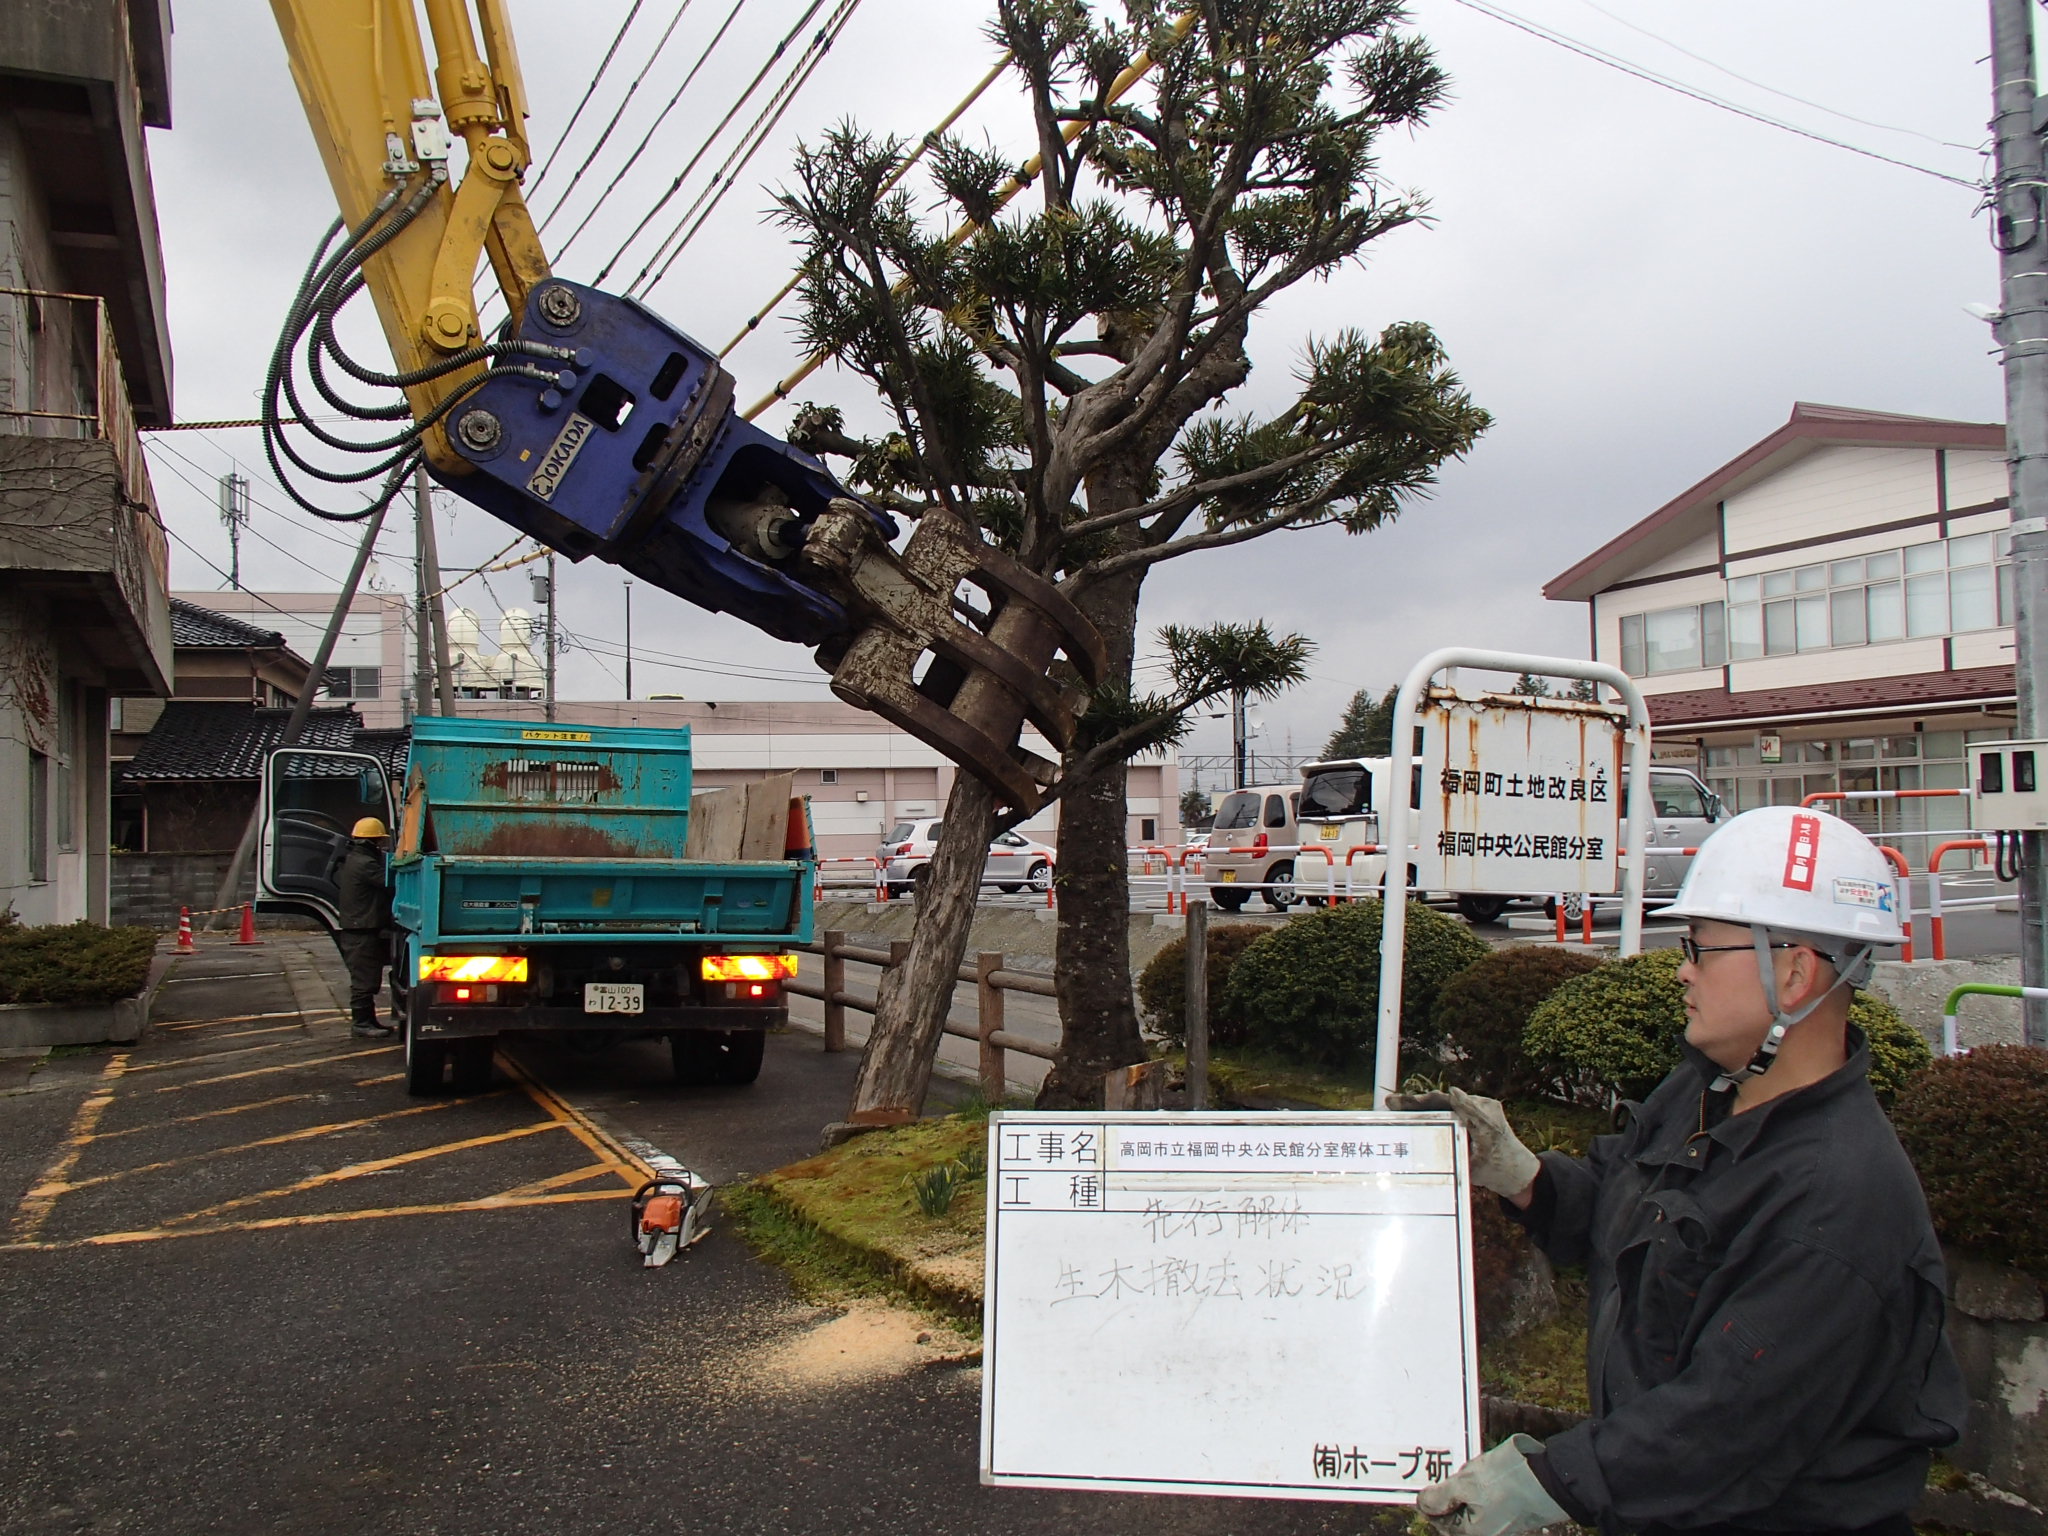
column 1801, row 873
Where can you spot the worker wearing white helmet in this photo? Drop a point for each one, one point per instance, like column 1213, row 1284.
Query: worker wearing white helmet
column 1766, row 1349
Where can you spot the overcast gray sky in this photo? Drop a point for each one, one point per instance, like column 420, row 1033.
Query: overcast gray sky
column 1636, row 284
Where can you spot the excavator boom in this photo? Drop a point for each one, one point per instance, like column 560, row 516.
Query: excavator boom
column 589, row 423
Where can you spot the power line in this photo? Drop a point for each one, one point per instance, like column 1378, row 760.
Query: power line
column 742, row 155
column 589, row 91
column 1847, row 117
column 661, row 117
column 1642, row 72
column 617, row 113
column 709, row 139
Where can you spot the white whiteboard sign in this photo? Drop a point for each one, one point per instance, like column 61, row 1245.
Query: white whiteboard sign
column 1259, row 1305
column 1518, row 794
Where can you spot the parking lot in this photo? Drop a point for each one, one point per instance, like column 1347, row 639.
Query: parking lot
column 252, row 1286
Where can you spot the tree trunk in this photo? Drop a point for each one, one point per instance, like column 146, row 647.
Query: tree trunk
column 913, row 999
column 1092, row 968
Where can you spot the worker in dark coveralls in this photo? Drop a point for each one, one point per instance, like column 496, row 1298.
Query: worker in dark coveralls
column 1765, row 1345
column 362, row 934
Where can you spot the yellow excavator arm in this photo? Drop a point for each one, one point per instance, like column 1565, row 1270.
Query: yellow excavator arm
column 589, row 423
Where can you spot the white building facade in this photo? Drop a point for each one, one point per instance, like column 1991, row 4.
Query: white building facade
column 1830, row 610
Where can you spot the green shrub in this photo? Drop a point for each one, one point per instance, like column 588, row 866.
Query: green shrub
column 1481, row 1014
column 1163, row 984
column 1976, row 1127
column 1309, row 990
column 73, row 964
column 1615, row 1032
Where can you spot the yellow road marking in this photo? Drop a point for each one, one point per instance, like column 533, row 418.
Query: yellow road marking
column 210, row 1114
column 212, row 1056
column 371, row 1082
column 623, row 1163
column 359, row 1170
column 242, row 1018
column 505, row 1202
column 305, row 1134
column 560, row 1180
column 272, row 1029
column 35, row 1209
column 290, row 1066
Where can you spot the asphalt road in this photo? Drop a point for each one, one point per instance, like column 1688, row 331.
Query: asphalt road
column 251, row 1286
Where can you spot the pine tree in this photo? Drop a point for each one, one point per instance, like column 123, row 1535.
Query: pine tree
column 1058, row 379
column 1367, row 729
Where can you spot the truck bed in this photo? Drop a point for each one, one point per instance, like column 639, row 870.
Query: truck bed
column 443, row 896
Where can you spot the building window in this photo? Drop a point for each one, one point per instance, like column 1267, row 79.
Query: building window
column 38, row 817
column 1946, row 586
column 1148, row 829
column 828, row 775
column 1674, row 639
column 353, row 683
column 65, row 787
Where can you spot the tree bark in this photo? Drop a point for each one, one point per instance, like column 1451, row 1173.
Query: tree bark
column 1092, row 965
column 913, row 999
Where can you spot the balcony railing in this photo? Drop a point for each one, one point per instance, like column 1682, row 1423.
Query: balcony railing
column 110, row 418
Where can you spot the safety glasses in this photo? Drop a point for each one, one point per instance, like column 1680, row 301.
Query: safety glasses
column 1692, row 948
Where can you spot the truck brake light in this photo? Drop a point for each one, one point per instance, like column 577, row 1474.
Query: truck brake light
column 472, row 967
column 748, row 967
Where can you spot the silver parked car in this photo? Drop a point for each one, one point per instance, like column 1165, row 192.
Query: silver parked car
column 1014, row 861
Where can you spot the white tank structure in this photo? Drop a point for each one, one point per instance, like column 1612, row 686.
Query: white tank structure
column 518, row 669
column 476, row 674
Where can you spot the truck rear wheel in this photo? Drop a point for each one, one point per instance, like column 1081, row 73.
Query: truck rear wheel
column 426, row 1061
column 728, row 1058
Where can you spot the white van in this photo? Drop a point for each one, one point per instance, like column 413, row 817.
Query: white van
column 1339, row 813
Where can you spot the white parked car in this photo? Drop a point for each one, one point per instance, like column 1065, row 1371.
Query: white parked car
column 1014, row 861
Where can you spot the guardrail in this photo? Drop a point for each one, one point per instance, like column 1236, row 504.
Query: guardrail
column 988, row 975
column 1951, row 1044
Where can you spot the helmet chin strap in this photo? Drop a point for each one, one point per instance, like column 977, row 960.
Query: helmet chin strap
column 1781, row 1021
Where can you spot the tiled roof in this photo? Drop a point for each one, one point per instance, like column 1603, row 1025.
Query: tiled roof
column 1702, row 707
column 229, row 741
column 197, row 628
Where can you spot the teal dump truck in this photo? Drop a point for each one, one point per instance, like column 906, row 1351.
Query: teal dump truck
column 559, row 879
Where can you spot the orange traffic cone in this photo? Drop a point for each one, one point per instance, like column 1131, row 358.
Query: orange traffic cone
column 248, row 933
column 185, row 944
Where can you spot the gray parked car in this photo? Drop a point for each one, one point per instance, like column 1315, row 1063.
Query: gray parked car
column 1014, row 861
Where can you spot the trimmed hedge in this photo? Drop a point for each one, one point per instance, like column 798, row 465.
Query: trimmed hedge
column 1309, row 990
column 1616, row 1032
column 1976, row 1127
column 78, row 965
column 1163, row 984
column 1481, row 1015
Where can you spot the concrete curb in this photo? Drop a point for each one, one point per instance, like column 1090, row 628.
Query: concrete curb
column 124, row 1021
column 920, row 1280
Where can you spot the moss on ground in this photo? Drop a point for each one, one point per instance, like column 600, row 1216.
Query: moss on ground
column 846, row 1219
column 1547, row 1364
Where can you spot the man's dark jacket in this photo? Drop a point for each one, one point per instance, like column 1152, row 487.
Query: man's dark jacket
column 1765, row 1338
column 363, row 900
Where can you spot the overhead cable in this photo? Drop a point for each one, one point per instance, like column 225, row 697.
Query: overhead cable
column 588, row 91
column 1643, row 72
column 617, row 113
column 727, row 176
column 712, row 137
column 647, row 138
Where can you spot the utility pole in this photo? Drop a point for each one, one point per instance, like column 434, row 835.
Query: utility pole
column 1238, row 767
column 629, row 639
column 234, row 515
column 2019, row 231
column 430, row 585
column 544, row 592
column 422, row 625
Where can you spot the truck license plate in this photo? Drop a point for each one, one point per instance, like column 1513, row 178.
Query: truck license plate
column 1226, row 875
column 614, row 997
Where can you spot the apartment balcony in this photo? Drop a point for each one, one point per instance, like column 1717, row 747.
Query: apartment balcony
column 78, row 520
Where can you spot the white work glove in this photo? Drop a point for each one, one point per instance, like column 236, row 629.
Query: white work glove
column 1499, row 1160
column 1492, row 1495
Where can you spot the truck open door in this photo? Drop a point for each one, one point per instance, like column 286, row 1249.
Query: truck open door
column 311, row 799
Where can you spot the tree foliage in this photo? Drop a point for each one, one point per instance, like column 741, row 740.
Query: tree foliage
column 1367, row 729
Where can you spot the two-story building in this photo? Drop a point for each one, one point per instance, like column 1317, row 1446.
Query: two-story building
column 84, row 358
column 1829, row 610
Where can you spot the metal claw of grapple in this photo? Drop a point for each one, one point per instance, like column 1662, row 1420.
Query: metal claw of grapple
column 984, row 680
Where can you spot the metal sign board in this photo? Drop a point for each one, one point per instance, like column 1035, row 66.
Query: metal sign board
column 1257, row 1305
column 1517, row 794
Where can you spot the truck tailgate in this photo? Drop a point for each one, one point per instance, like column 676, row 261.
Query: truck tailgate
column 479, row 895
